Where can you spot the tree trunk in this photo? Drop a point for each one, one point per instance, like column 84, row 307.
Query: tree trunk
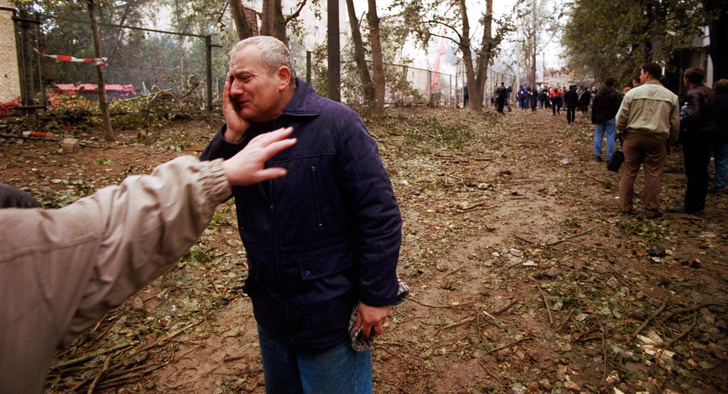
column 475, row 99
column 377, row 59
column 486, row 46
column 534, row 43
column 241, row 21
column 273, row 24
column 103, row 103
column 359, row 54
column 718, row 28
column 334, row 52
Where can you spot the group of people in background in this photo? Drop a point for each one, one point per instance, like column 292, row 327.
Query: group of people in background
column 530, row 97
column 649, row 122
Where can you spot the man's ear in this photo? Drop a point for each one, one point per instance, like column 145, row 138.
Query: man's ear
column 284, row 77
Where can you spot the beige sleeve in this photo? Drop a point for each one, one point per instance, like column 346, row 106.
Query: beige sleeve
column 62, row 270
column 147, row 223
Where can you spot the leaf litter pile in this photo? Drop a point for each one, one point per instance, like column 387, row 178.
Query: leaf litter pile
column 524, row 275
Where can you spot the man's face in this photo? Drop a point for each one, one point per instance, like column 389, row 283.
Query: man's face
column 644, row 76
column 255, row 92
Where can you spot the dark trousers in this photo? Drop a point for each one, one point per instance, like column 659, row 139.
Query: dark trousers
column 570, row 114
column 499, row 102
column 697, row 156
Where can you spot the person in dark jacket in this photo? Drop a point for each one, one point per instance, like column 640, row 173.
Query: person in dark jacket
column 604, row 110
column 11, row 197
column 571, row 101
column 698, row 125
column 501, row 96
column 584, row 100
column 322, row 243
column 720, row 138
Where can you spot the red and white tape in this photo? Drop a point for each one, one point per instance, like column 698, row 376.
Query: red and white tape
column 99, row 61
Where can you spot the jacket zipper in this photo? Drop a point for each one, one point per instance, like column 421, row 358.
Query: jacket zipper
column 315, row 196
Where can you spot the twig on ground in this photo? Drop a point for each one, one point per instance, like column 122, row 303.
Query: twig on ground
column 646, row 322
column 458, row 324
column 569, row 238
column 505, row 308
column 508, row 345
column 159, row 341
column 93, row 355
column 604, row 353
column 105, row 368
column 413, row 299
column 492, row 375
column 546, row 302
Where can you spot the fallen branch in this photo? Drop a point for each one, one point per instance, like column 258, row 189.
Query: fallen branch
column 546, row 302
column 568, row 238
column 458, row 324
column 168, row 337
column 103, row 370
column 505, row 308
column 413, row 299
column 646, row 322
column 93, row 355
column 525, row 240
column 508, row 345
column 679, row 337
column 604, row 353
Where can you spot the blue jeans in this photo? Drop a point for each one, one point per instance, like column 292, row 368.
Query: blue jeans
column 720, row 153
column 340, row 369
column 610, row 127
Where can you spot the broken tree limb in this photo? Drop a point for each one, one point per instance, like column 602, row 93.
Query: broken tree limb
column 646, row 322
column 458, row 324
column 93, row 355
column 505, row 308
column 546, row 302
column 509, row 345
column 569, row 238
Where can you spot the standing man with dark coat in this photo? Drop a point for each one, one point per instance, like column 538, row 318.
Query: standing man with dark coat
column 501, row 95
column 322, row 243
column 584, row 100
column 698, row 126
column 571, row 101
column 648, row 122
column 604, row 109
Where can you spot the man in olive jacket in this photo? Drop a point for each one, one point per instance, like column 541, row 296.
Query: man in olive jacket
column 604, row 109
column 649, row 123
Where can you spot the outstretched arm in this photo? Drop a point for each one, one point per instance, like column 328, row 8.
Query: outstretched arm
column 62, row 270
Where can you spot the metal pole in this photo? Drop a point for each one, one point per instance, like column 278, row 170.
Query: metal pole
column 208, row 71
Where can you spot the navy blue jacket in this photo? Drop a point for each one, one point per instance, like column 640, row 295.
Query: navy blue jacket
column 325, row 236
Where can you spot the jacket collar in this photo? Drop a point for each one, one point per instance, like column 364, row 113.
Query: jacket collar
column 305, row 101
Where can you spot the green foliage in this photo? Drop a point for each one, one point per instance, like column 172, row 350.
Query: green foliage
column 439, row 135
column 613, row 38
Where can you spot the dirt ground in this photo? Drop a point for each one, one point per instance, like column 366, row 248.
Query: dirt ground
column 524, row 275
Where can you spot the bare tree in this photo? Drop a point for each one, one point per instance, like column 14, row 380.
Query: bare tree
column 103, row 102
column 334, row 53
column 241, row 21
column 360, row 53
column 377, row 59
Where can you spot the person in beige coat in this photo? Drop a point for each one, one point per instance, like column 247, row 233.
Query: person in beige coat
column 62, row 270
column 648, row 123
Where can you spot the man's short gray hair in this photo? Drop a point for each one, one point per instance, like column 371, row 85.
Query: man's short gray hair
column 273, row 52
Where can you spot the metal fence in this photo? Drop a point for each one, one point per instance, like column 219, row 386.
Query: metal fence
column 49, row 60
column 140, row 61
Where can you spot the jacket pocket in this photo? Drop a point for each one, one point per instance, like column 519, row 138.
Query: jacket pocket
column 327, row 262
